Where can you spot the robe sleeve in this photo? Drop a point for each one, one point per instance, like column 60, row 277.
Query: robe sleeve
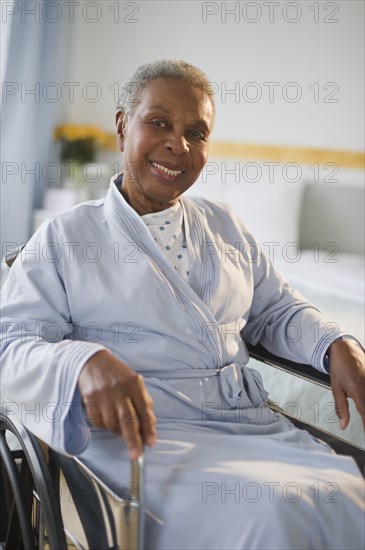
column 283, row 320
column 40, row 361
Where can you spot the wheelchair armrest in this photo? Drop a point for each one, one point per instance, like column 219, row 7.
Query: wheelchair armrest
column 127, row 507
column 307, row 372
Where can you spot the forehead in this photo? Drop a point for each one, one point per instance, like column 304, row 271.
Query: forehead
column 177, row 98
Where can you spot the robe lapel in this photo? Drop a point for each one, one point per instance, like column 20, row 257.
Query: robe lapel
column 202, row 269
column 199, row 316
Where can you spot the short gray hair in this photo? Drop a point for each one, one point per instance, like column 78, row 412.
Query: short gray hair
column 164, row 68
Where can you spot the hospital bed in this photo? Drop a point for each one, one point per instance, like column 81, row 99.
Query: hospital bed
column 36, row 483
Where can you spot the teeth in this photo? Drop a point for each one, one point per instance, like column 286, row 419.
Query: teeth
column 166, row 170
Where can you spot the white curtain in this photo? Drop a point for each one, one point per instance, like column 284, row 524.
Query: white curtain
column 35, row 55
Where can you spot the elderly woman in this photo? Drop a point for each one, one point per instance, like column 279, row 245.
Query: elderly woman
column 131, row 314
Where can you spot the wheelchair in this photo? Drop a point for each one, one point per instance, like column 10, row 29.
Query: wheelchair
column 36, row 482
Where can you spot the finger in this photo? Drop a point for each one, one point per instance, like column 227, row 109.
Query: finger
column 147, row 425
column 143, row 404
column 112, row 412
column 93, row 412
column 130, row 428
column 341, row 406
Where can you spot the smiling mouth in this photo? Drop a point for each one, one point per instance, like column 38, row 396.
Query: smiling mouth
column 167, row 170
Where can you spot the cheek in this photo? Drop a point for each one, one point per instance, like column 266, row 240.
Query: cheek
column 144, row 143
column 200, row 158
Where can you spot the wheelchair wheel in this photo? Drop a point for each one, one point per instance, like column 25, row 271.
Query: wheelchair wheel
column 31, row 515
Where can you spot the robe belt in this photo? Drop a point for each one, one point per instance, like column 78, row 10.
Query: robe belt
column 241, row 386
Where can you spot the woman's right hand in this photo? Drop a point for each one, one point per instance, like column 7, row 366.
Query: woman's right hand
column 115, row 398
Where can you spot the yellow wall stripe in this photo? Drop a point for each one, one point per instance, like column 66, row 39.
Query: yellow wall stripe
column 301, row 155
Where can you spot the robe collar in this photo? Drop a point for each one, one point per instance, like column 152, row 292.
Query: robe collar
column 194, row 294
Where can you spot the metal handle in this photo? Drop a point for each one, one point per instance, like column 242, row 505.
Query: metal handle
column 137, row 478
column 10, row 257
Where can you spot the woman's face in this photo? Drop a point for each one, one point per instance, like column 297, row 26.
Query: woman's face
column 164, row 141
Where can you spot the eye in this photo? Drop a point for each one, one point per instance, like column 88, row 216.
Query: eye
column 197, row 134
column 158, row 123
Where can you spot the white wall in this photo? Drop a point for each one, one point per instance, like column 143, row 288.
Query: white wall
column 232, row 50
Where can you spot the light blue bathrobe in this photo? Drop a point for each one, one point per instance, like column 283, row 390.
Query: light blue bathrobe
column 226, row 473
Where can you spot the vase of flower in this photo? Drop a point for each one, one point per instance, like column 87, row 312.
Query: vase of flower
column 79, row 145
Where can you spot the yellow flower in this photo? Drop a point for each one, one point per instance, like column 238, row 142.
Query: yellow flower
column 73, row 132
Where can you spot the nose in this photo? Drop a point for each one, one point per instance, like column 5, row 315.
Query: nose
column 177, row 143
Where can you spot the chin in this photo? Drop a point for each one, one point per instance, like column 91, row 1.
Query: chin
column 162, row 195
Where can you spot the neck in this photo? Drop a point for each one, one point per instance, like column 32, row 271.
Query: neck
column 142, row 204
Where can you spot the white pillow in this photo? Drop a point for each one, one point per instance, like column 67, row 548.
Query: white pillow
column 269, row 209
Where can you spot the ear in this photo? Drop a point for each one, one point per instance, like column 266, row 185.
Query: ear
column 121, row 123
